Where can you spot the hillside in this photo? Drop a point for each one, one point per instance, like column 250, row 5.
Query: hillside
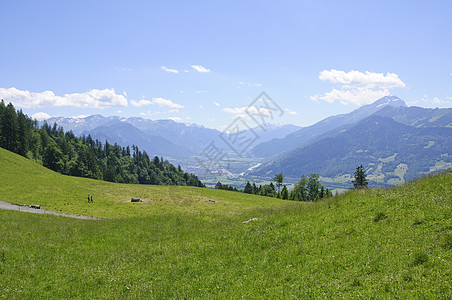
column 391, row 152
column 394, row 243
column 25, row 182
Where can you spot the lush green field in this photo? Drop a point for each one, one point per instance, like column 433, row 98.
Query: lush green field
column 377, row 244
column 25, row 182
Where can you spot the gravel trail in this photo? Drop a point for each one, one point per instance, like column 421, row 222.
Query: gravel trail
column 25, row 208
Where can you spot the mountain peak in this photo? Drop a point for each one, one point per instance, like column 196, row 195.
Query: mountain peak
column 389, row 100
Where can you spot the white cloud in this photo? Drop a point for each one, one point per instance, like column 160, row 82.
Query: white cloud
column 143, row 114
column 175, row 119
column 201, row 107
column 41, row 116
column 242, row 111
column 173, row 110
column 216, row 103
column 166, row 102
column 356, row 79
column 168, row 70
column 291, row 112
column 188, row 118
column 140, row 103
column 93, row 98
column 200, row 69
column 360, row 96
column 357, row 87
column 433, row 102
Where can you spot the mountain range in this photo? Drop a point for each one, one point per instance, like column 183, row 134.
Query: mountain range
column 162, row 137
column 392, row 141
column 306, row 134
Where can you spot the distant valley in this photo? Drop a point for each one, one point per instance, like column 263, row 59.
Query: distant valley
column 393, row 142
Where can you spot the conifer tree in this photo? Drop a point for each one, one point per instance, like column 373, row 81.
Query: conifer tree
column 284, row 193
column 360, row 178
column 248, row 188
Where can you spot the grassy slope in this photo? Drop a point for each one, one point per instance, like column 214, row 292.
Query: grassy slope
column 25, row 182
column 366, row 244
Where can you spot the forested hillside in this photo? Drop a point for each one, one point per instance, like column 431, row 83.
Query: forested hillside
column 65, row 153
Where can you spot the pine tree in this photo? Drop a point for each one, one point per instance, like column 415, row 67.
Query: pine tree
column 284, row 193
column 9, row 128
column 360, row 178
column 248, row 188
column 255, row 189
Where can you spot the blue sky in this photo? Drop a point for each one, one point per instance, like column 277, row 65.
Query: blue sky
column 204, row 61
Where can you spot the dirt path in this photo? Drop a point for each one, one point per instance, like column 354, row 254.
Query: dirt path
column 24, row 208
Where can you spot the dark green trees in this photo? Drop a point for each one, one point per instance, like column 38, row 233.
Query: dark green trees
column 9, row 128
column 52, row 158
column 309, row 189
column 360, row 180
column 268, row 190
column 284, row 193
column 220, row 186
column 85, row 157
column 248, row 188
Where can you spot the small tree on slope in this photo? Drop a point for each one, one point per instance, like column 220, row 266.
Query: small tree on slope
column 360, row 178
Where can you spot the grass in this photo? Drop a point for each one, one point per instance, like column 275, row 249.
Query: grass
column 329, row 249
column 25, row 182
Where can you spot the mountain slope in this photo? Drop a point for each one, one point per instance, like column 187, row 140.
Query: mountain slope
column 158, row 136
column 391, row 152
column 78, row 125
column 194, row 137
column 304, row 135
column 123, row 133
column 418, row 116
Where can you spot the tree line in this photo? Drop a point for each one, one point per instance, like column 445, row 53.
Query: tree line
column 307, row 189
column 67, row 154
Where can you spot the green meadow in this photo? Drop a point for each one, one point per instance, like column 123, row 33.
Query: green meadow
column 372, row 244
